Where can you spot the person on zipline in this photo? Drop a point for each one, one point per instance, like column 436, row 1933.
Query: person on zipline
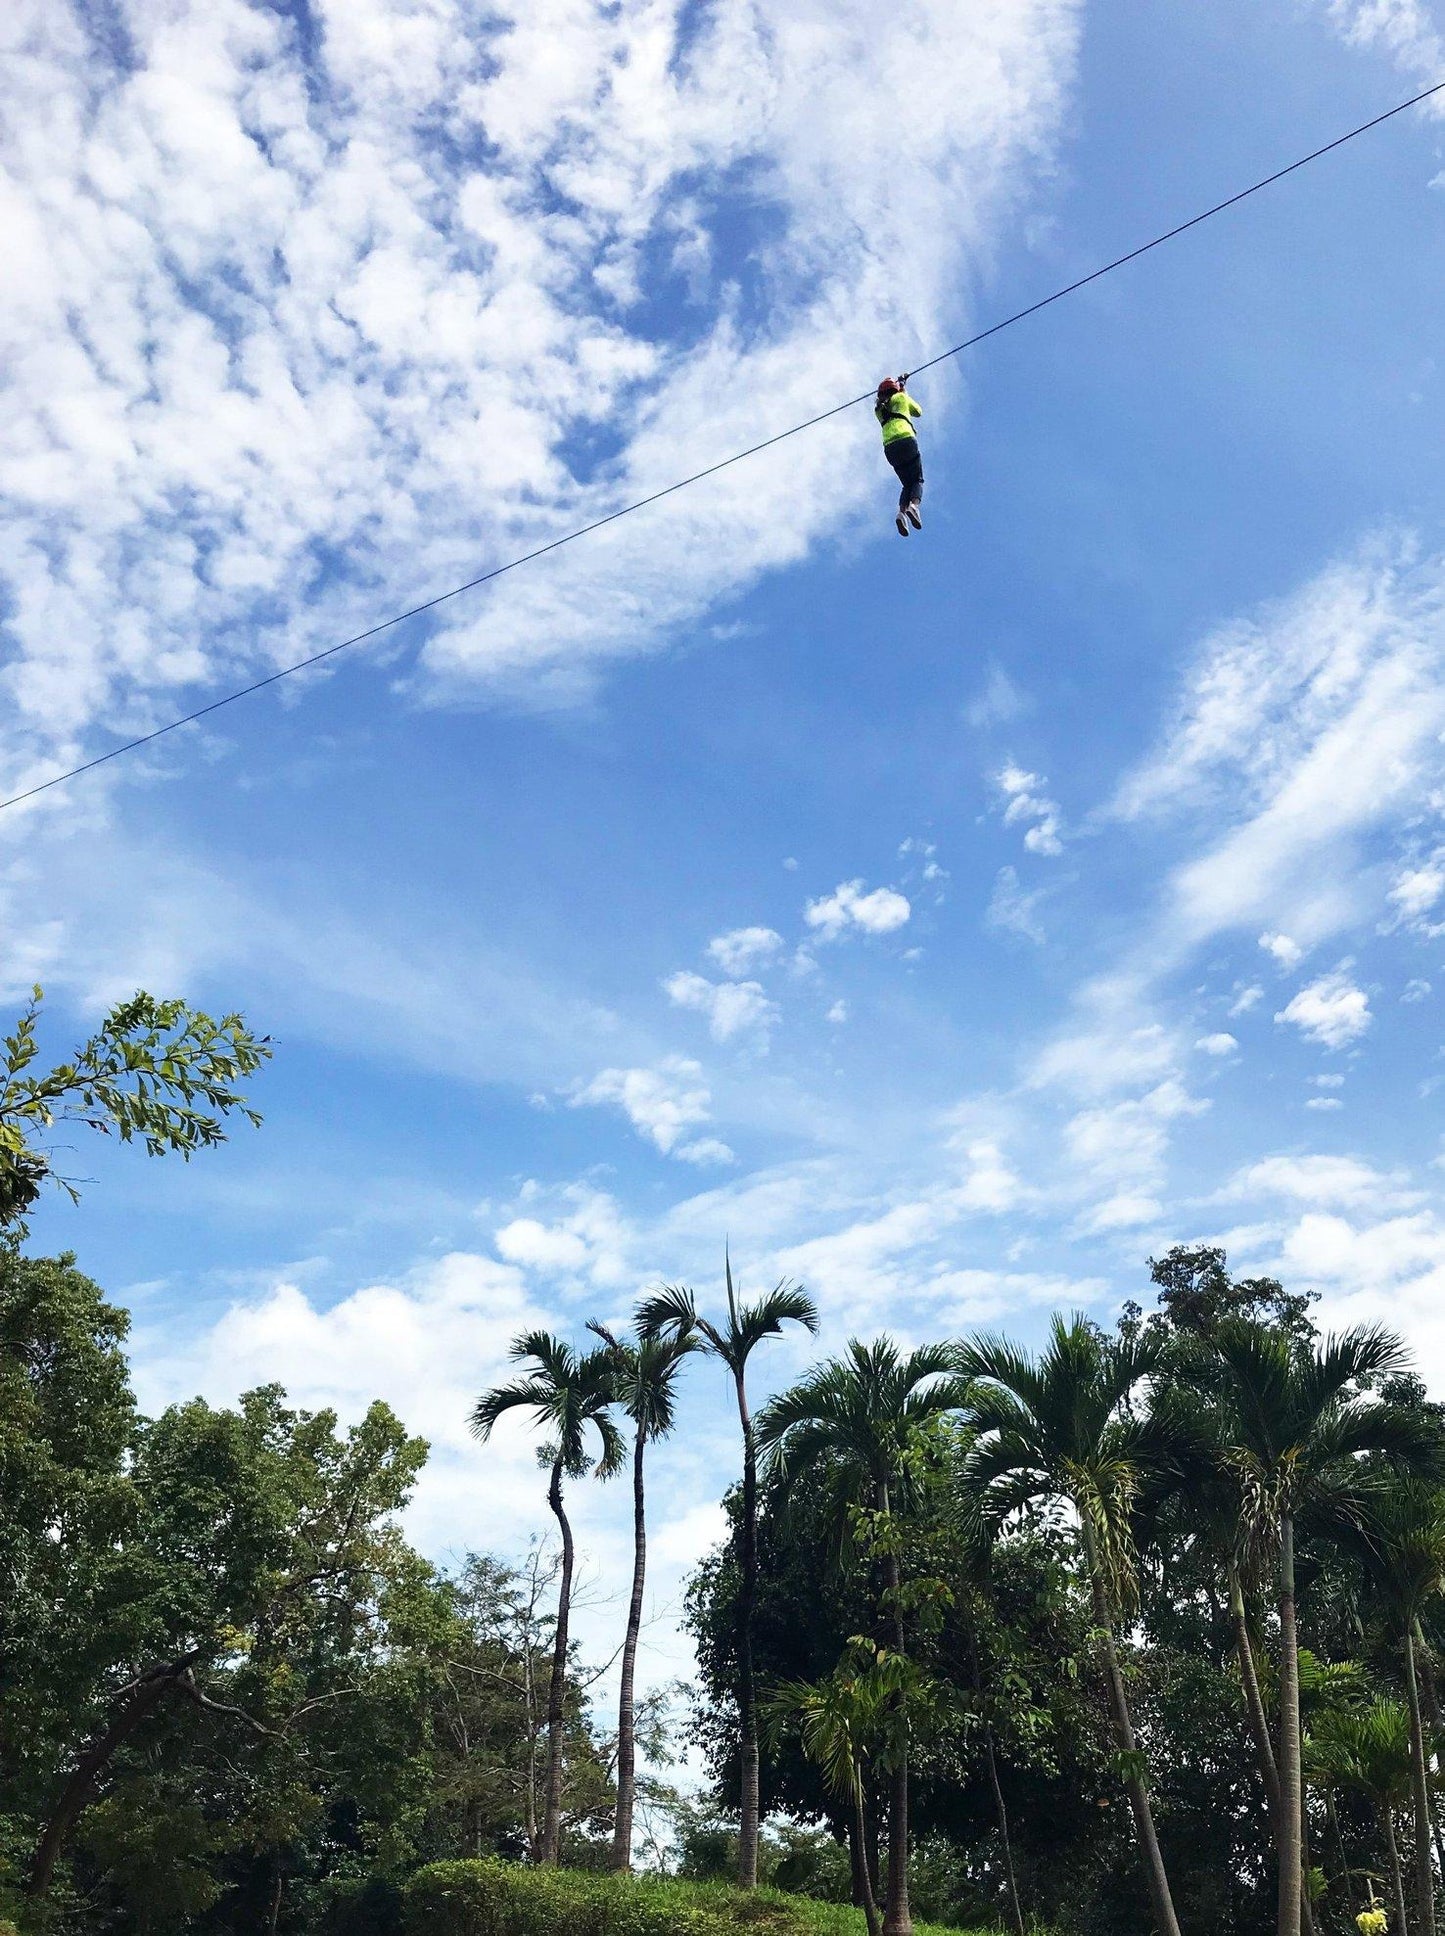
column 895, row 410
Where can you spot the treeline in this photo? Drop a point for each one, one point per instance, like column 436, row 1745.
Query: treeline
column 232, row 1697
column 1142, row 1629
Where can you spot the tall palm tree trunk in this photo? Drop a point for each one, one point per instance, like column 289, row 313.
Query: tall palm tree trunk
column 1431, row 1706
column 897, row 1919
column 1420, row 1784
column 1016, row 1913
column 1290, row 1823
column 1397, row 1877
column 626, row 1706
column 550, row 1845
column 1253, row 1699
column 1332, row 1816
column 1154, row 1872
column 863, row 1894
column 748, row 1755
column 1259, row 1729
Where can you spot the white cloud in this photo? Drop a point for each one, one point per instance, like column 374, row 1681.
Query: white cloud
column 1118, row 1048
column 743, row 949
column 525, row 1241
column 1405, row 30
column 992, row 1185
column 1221, row 1044
column 1001, row 700
column 1301, row 730
column 270, row 315
column 1324, row 1102
column 1013, row 909
column 1331, row 1010
column 731, row 1007
column 662, row 1104
column 704, row 1150
column 879, row 911
column 925, row 864
column 838, row 1013
column 1119, row 1149
column 586, row 1241
column 1245, row 1000
column 428, row 1344
column 1028, row 803
column 1338, row 1182
column 1415, row 991
column 1289, row 954
column 1415, row 891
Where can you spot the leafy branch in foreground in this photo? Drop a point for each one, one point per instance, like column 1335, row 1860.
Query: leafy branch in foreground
column 159, row 1072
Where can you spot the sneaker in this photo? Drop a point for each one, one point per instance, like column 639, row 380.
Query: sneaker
column 902, row 524
column 915, row 517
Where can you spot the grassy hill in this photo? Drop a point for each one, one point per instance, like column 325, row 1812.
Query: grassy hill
column 502, row 1899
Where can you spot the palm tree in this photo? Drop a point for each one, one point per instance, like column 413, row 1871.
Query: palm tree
column 838, row 1719
column 674, row 1311
column 645, row 1386
column 1202, row 1493
column 1368, row 1749
column 567, row 1392
column 861, row 1416
column 1295, row 1427
column 1400, row 1537
column 1059, row 1427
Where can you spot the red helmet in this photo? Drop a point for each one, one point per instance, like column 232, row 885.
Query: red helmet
column 889, row 387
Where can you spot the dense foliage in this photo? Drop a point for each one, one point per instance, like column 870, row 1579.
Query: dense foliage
column 230, row 1693
column 1140, row 1629
column 494, row 1899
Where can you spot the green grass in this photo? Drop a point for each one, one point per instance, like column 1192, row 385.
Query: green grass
column 501, row 1899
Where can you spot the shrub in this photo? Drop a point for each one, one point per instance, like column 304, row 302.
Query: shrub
column 496, row 1899
column 500, row 1899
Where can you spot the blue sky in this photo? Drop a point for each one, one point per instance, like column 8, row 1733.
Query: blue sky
column 949, row 925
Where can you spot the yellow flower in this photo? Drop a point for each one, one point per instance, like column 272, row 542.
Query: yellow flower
column 1372, row 1922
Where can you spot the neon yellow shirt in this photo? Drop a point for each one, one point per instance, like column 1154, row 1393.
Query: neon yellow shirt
column 895, row 415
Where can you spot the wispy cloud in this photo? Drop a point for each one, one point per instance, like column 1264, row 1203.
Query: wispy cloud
column 283, row 356
column 743, row 949
column 1012, row 908
column 732, row 1008
column 1027, row 804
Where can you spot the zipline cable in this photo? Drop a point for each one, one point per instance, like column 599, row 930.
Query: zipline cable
column 640, row 504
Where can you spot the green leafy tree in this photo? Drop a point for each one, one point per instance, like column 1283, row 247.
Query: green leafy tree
column 1368, row 1750
column 252, row 1534
column 67, row 1420
column 645, row 1372
column 1060, row 1427
column 1400, row 1538
column 674, row 1312
column 839, row 1720
column 569, row 1395
column 864, row 1418
column 1297, row 1426
column 154, row 1071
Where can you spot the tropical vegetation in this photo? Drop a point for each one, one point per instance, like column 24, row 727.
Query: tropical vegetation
column 1137, row 1627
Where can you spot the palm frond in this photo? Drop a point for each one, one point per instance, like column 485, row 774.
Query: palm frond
column 530, row 1392
column 764, row 1317
column 672, row 1309
column 1347, row 1358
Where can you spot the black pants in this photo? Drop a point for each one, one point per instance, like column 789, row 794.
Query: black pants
column 907, row 459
